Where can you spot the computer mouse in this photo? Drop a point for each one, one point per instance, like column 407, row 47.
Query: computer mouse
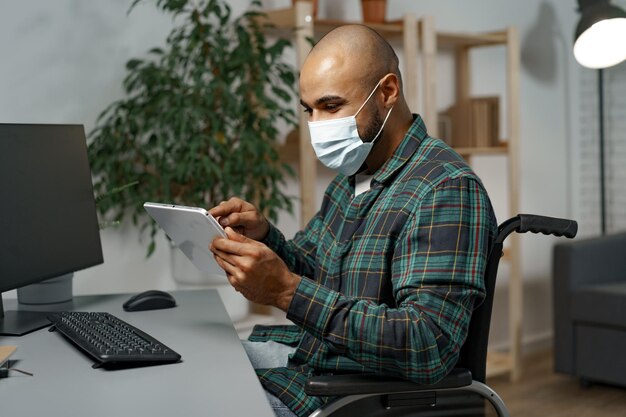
column 149, row 300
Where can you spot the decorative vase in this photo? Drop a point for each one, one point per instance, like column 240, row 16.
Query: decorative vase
column 293, row 2
column 374, row 10
column 187, row 276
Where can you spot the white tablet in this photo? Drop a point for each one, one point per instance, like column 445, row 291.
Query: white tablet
column 191, row 228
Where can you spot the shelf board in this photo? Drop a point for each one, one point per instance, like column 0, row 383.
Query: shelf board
column 451, row 39
column 500, row 149
column 498, row 363
column 392, row 28
column 284, row 18
column 281, row 18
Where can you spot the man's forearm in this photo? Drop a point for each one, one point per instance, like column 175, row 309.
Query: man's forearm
column 403, row 341
column 292, row 253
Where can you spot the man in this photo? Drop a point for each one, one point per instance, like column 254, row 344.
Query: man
column 385, row 277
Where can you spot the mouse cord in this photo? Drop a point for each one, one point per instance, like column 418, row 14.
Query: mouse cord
column 21, row 371
column 4, row 372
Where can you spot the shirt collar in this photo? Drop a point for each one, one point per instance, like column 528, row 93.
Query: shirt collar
column 411, row 142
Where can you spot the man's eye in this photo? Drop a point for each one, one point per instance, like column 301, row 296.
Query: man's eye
column 331, row 107
column 308, row 110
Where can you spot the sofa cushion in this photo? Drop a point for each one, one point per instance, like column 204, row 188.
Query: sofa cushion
column 603, row 304
column 599, row 354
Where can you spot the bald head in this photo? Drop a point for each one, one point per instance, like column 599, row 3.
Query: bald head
column 360, row 50
column 353, row 71
column 344, row 67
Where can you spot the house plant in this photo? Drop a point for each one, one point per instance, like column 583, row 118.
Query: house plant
column 198, row 123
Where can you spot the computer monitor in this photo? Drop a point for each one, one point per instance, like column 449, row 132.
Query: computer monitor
column 48, row 222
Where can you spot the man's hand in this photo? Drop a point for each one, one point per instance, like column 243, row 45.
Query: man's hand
column 255, row 270
column 243, row 217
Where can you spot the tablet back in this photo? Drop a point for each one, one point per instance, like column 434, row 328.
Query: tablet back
column 192, row 229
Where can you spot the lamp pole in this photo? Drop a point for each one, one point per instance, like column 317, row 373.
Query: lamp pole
column 601, row 143
column 599, row 43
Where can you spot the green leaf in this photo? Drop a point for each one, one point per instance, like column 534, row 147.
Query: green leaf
column 132, row 6
column 151, row 248
column 133, row 63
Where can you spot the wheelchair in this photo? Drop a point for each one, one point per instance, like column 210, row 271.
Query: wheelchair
column 463, row 391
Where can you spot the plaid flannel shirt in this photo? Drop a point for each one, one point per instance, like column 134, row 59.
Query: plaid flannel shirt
column 389, row 277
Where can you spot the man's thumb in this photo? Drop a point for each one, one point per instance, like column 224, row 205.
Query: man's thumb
column 232, row 235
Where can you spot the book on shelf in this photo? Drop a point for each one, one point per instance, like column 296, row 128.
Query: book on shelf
column 472, row 123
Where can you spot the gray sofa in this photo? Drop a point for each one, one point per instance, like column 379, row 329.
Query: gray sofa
column 590, row 308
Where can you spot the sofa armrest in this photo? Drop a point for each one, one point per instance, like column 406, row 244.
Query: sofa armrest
column 577, row 264
column 598, row 260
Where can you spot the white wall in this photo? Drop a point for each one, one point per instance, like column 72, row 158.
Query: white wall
column 63, row 61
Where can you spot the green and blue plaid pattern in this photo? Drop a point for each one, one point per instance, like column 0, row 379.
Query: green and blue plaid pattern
column 390, row 277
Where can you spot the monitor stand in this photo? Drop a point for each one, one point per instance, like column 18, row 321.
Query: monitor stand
column 34, row 303
column 21, row 322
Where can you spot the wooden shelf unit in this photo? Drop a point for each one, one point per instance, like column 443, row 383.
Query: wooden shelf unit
column 419, row 36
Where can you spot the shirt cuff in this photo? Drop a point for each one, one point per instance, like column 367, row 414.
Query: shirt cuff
column 311, row 307
column 286, row 334
column 273, row 238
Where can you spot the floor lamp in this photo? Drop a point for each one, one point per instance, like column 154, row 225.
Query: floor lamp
column 598, row 44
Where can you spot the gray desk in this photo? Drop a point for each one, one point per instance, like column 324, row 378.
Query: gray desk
column 214, row 379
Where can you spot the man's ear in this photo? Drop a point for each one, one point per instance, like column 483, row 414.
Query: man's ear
column 390, row 87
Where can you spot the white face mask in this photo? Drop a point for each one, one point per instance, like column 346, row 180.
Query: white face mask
column 337, row 143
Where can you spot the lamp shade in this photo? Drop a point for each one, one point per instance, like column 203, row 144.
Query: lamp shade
column 600, row 40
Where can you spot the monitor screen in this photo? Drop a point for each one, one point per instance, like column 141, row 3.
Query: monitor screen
column 48, row 222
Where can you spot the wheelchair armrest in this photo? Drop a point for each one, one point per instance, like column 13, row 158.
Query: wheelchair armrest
column 353, row 384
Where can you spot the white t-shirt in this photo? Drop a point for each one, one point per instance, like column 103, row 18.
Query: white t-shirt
column 362, row 183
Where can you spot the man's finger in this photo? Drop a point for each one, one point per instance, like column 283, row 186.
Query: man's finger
column 234, row 219
column 230, row 259
column 230, row 219
column 222, row 210
column 233, row 242
column 229, row 268
column 227, row 207
column 233, row 247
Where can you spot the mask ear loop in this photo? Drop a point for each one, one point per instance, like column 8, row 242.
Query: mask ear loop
column 363, row 105
column 368, row 97
column 382, row 127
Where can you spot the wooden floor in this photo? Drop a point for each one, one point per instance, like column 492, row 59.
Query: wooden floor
column 543, row 393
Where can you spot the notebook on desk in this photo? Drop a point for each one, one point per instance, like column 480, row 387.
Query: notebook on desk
column 5, row 354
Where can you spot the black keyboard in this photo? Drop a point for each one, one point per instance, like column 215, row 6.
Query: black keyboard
column 111, row 341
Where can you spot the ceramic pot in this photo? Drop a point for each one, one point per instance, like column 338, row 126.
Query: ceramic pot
column 374, row 11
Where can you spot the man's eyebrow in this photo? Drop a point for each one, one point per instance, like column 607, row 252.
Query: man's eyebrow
column 324, row 99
